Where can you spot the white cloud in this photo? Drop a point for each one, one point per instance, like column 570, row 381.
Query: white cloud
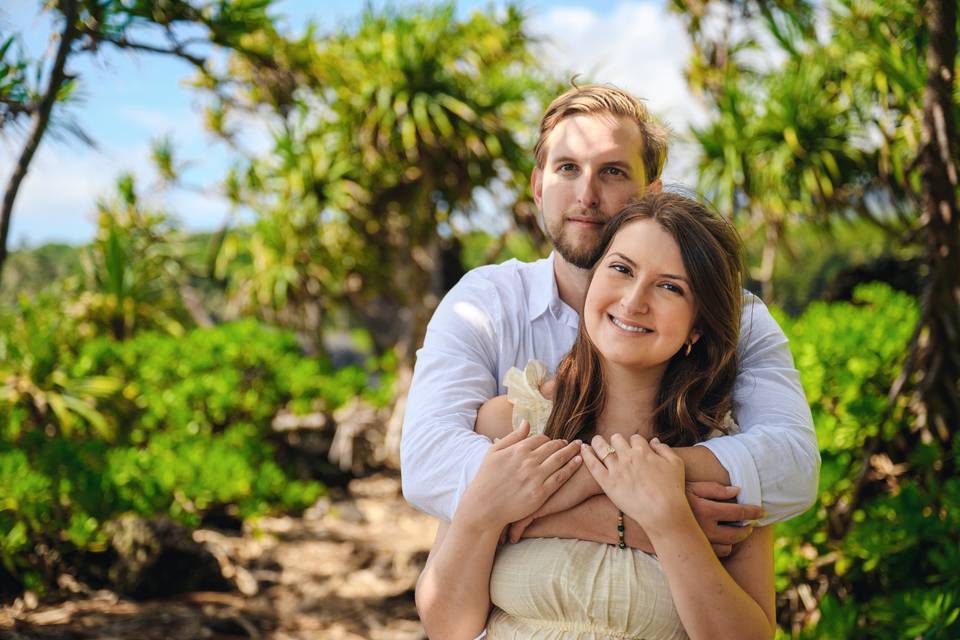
column 57, row 200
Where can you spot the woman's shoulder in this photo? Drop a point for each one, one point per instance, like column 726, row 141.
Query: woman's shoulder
column 494, row 420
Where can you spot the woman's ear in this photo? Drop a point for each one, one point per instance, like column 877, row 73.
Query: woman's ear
column 694, row 336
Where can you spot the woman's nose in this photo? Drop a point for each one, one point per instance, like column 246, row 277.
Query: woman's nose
column 634, row 300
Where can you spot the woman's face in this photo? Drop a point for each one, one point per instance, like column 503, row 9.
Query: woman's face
column 640, row 309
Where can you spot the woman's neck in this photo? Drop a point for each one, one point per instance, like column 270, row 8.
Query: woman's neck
column 631, row 397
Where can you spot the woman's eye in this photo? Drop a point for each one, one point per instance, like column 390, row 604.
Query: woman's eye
column 672, row 287
column 619, row 268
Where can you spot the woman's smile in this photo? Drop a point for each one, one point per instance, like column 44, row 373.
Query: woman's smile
column 630, row 327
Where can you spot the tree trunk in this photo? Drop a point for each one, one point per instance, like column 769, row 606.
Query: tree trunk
column 39, row 122
column 768, row 262
column 938, row 355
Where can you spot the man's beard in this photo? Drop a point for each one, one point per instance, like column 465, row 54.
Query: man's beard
column 583, row 254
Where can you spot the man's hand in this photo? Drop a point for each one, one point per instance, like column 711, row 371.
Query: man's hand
column 594, row 519
column 713, row 515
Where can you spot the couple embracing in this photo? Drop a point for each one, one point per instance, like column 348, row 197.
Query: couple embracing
column 607, row 434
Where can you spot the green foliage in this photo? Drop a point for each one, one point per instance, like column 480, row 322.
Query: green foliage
column 133, row 271
column 384, row 133
column 848, row 355
column 189, row 421
column 832, row 129
column 185, row 475
column 37, row 389
column 813, row 257
column 480, row 248
column 28, row 271
column 891, row 569
column 240, row 372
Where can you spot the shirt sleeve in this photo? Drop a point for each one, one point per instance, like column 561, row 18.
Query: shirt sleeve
column 454, row 374
column 775, row 460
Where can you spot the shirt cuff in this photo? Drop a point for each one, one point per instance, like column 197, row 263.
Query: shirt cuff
column 470, row 468
column 738, row 462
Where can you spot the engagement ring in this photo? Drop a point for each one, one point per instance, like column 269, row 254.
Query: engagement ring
column 607, row 453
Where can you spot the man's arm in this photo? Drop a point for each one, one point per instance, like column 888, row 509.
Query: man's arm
column 454, row 374
column 595, row 519
column 775, row 460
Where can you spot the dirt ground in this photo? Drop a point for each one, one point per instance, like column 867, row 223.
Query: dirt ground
column 345, row 570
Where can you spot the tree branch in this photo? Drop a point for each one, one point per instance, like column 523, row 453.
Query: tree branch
column 39, row 122
column 177, row 49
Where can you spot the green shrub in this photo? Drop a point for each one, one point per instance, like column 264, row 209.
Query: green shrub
column 892, row 571
column 189, row 428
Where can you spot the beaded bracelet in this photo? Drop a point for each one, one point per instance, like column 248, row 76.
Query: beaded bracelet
column 621, row 544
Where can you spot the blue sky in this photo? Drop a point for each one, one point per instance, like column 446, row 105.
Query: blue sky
column 129, row 100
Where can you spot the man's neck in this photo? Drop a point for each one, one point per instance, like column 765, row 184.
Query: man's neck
column 571, row 282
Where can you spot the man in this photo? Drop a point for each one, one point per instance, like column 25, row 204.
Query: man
column 598, row 149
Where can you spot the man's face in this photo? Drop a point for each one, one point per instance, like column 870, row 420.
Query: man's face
column 592, row 170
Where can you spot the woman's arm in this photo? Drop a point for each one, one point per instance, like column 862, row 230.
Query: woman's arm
column 517, row 475
column 453, row 592
column 712, row 601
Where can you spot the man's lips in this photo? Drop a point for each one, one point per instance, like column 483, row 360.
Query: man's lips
column 590, row 221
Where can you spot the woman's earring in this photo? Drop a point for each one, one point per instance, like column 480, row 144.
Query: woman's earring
column 689, row 347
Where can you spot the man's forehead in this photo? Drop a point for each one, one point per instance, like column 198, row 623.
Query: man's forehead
column 595, row 134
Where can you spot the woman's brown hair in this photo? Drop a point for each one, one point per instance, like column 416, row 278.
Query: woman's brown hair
column 694, row 395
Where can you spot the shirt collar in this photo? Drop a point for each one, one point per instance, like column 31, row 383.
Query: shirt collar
column 544, row 295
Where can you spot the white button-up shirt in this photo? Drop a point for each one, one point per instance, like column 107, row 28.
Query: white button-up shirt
column 503, row 316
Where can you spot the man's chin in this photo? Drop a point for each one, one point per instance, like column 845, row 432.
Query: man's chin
column 580, row 258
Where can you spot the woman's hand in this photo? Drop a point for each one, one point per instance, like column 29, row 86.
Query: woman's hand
column 644, row 479
column 516, row 477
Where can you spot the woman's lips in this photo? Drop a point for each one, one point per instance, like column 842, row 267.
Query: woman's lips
column 629, row 327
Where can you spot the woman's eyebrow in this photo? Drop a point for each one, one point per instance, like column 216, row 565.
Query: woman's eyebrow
column 671, row 276
column 623, row 257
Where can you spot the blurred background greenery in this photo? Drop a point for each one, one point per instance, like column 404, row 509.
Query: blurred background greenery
column 159, row 372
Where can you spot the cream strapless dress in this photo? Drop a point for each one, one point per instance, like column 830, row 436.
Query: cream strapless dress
column 549, row 588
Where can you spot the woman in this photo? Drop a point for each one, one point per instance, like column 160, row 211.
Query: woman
column 653, row 366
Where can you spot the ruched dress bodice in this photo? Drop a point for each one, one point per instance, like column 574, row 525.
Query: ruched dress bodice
column 552, row 589
column 548, row 588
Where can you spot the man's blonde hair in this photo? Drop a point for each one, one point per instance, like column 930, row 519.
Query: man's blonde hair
column 607, row 99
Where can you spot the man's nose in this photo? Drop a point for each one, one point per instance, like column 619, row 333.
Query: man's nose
column 589, row 195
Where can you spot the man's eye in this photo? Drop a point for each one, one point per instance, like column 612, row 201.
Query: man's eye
column 614, row 171
column 566, row 167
